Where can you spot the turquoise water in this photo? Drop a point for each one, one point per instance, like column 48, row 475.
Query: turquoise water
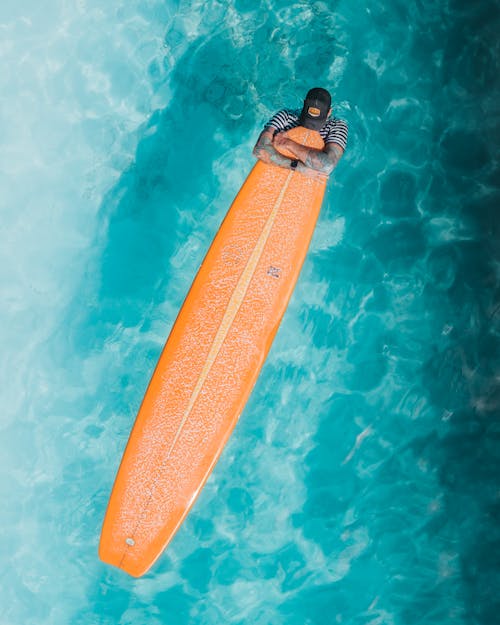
column 361, row 484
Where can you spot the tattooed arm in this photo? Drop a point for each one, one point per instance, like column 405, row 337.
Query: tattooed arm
column 265, row 151
column 323, row 161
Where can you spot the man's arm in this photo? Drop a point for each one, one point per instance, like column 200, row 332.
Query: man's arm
column 265, row 151
column 323, row 161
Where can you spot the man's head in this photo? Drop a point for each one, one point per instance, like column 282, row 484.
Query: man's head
column 317, row 108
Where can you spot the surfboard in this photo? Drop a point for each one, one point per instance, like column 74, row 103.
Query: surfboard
column 211, row 360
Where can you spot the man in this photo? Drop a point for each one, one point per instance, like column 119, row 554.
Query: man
column 315, row 115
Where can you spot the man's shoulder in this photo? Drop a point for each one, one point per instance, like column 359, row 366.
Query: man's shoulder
column 336, row 131
column 336, row 122
column 284, row 119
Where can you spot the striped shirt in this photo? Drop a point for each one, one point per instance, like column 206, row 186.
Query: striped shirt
column 334, row 131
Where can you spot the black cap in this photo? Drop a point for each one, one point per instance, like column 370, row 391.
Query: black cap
column 316, row 107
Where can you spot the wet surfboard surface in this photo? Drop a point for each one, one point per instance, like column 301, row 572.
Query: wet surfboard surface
column 211, row 360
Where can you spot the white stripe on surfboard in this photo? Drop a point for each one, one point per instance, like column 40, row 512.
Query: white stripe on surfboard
column 232, row 308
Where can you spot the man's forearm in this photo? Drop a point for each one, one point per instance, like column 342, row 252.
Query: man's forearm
column 265, row 151
column 309, row 172
column 323, row 161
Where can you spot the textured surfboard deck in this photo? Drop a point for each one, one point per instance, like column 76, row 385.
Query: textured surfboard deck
column 211, row 360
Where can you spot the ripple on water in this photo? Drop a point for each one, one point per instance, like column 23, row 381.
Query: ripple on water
column 361, row 481
column 398, row 192
column 398, row 245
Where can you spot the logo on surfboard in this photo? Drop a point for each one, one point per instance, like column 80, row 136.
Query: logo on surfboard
column 275, row 272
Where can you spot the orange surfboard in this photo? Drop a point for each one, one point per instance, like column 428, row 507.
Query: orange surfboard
column 211, row 360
